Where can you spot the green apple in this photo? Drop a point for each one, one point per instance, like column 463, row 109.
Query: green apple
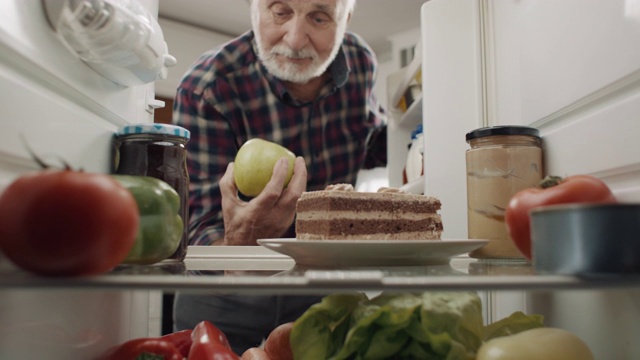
column 254, row 165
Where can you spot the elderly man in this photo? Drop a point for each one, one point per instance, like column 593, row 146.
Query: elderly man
column 298, row 78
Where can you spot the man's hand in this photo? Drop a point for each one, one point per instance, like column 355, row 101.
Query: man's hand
column 269, row 214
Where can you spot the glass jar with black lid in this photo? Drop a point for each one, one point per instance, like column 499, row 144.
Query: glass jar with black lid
column 157, row 150
column 501, row 161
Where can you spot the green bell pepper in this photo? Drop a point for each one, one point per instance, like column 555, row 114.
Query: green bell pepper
column 161, row 226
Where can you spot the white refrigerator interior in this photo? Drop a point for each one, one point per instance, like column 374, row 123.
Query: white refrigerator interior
column 63, row 107
column 570, row 68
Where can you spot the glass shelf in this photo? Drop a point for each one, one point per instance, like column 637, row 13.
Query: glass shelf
column 256, row 270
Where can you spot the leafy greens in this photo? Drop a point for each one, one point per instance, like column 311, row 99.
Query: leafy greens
column 430, row 325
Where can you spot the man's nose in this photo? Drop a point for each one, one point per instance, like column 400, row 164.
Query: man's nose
column 297, row 36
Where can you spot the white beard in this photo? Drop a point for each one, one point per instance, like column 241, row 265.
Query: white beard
column 292, row 72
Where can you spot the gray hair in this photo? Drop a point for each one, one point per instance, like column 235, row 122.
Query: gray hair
column 350, row 5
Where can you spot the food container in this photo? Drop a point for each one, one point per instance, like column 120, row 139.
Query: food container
column 412, row 94
column 159, row 151
column 586, row 238
column 414, row 166
column 501, row 161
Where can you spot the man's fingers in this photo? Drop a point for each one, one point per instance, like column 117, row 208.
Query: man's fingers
column 298, row 183
column 273, row 189
column 228, row 187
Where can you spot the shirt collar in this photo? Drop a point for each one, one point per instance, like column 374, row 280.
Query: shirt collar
column 340, row 68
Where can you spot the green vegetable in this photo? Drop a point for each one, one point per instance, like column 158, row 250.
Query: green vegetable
column 320, row 331
column 514, row 324
column 161, row 226
column 431, row 325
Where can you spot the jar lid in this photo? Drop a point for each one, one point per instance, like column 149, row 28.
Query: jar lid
column 164, row 129
column 503, row 130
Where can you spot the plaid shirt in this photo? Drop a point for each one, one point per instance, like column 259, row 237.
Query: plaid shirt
column 228, row 97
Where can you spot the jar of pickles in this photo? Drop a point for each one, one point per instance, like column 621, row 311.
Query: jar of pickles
column 159, row 151
column 502, row 160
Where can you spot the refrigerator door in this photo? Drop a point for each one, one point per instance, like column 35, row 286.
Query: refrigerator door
column 62, row 108
column 569, row 68
column 54, row 101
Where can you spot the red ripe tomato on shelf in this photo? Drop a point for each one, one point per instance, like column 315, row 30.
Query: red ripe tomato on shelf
column 67, row 223
column 552, row 191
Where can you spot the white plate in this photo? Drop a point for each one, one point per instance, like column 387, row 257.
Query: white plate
column 351, row 253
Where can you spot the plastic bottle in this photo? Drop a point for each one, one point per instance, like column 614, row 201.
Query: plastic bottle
column 414, row 165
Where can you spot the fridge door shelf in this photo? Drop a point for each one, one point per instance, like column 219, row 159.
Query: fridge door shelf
column 120, row 40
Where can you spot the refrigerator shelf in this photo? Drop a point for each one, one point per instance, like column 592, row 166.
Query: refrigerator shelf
column 261, row 271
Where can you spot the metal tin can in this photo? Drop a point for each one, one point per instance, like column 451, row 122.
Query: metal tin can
column 157, row 150
column 586, row 239
column 502, row 160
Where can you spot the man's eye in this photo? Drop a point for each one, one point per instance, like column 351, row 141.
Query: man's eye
column 280, row 11
column 320, row 19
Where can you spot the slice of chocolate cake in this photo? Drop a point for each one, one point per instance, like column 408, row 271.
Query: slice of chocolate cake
column 340, row 213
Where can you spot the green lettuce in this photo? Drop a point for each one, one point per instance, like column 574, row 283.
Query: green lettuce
column 321, row 330
column 515, row 323
column 430, row 325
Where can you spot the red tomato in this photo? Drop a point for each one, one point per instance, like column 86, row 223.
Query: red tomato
column 573, row 189
column 67, row 223
column 277, row 344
